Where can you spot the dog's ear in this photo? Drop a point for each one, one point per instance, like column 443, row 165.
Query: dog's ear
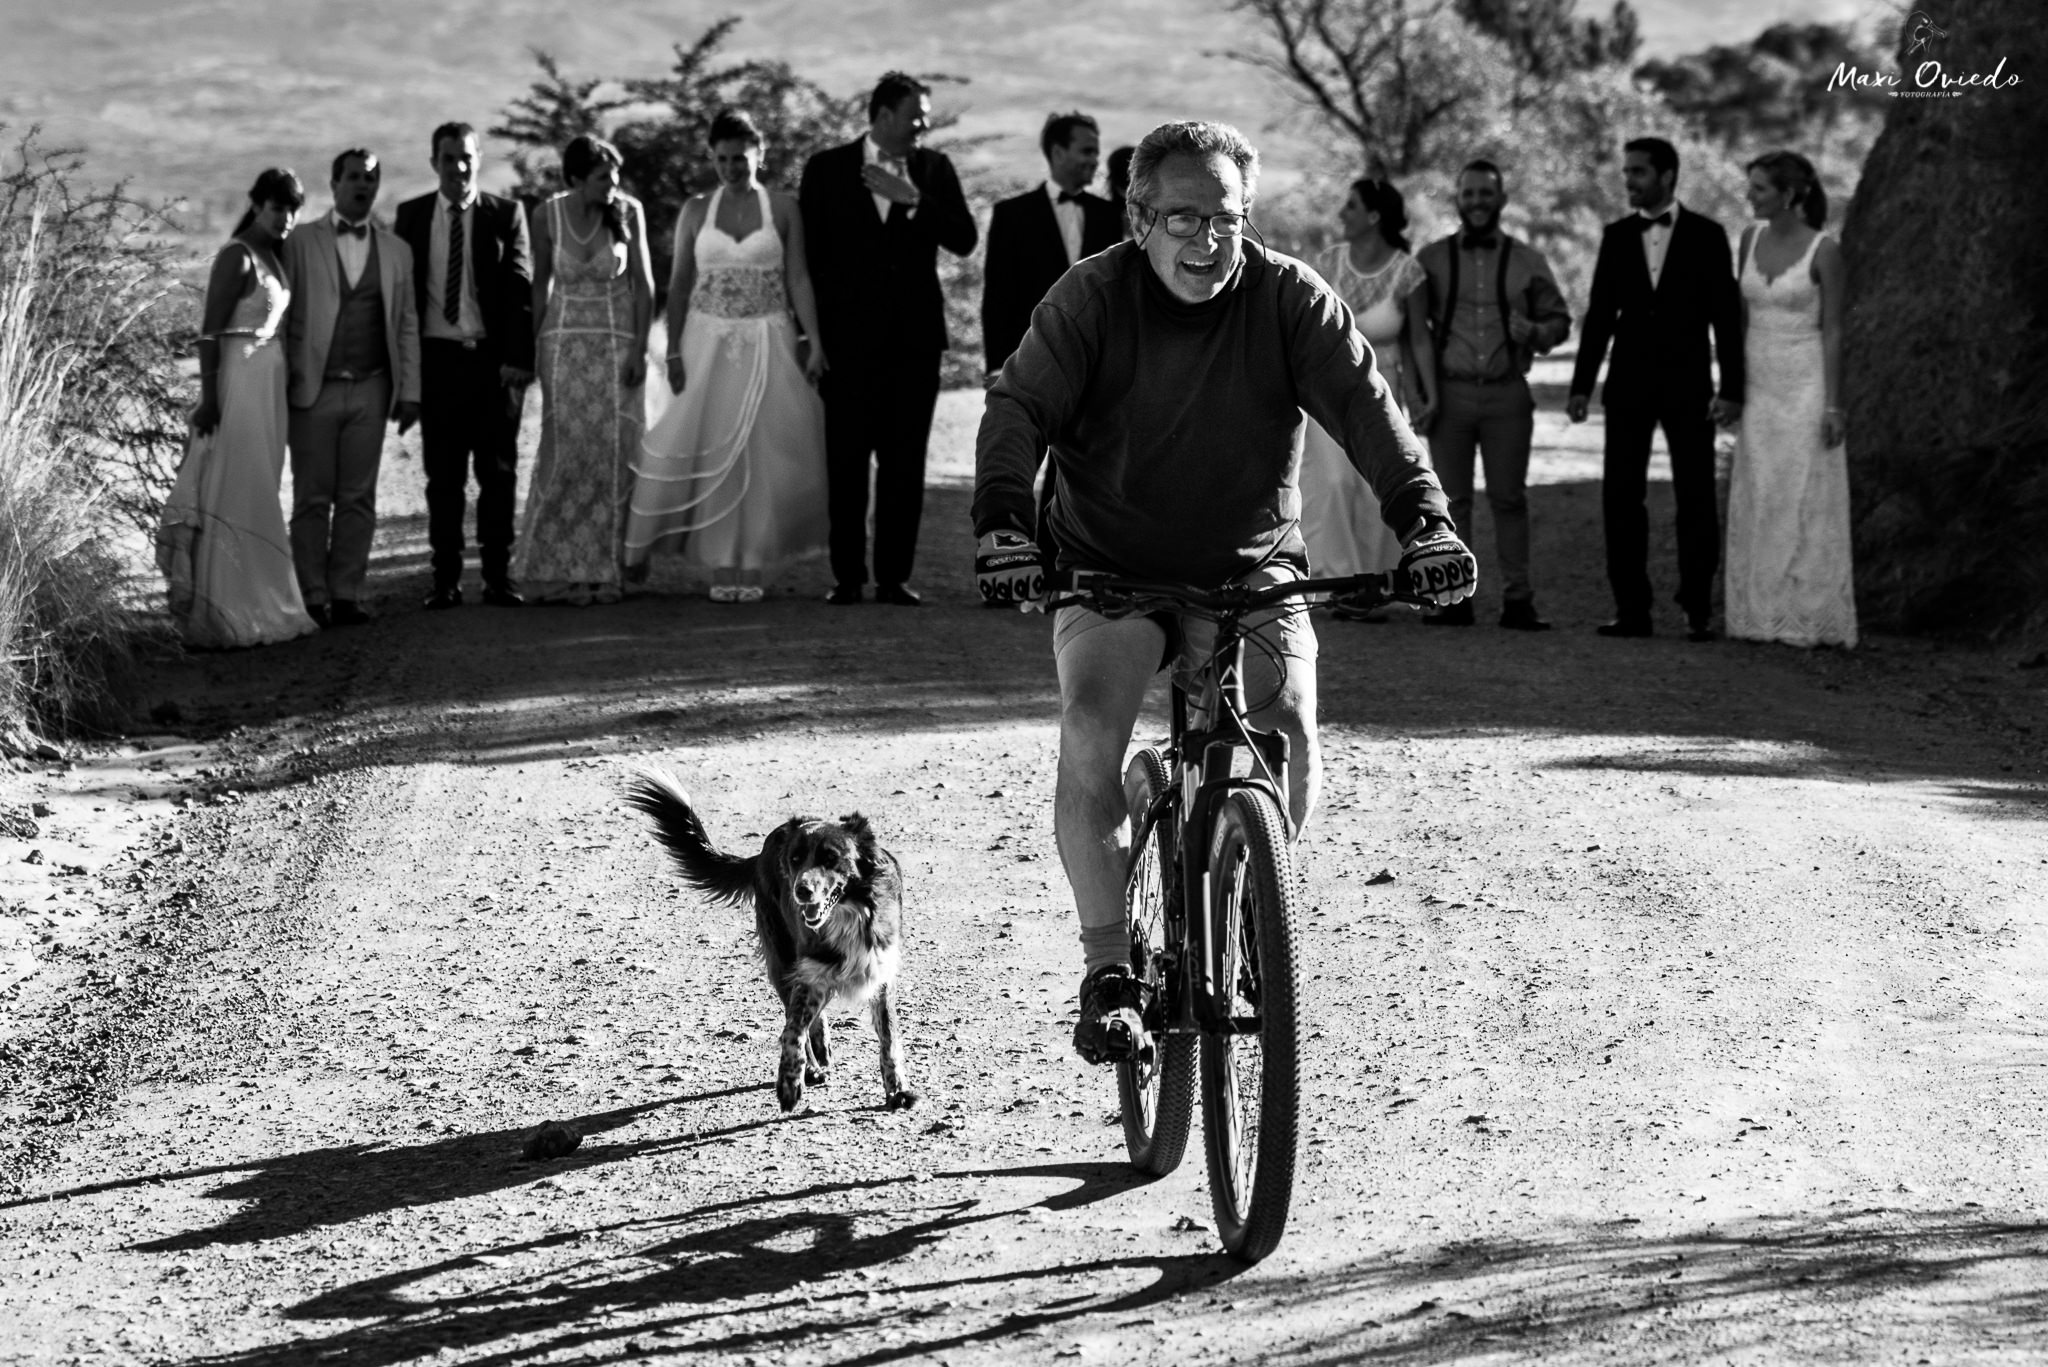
column 867, row 851
column 771, row 870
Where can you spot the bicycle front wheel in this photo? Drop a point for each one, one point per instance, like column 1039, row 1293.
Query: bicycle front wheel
column 1250, row 1101
column 1156, row 1097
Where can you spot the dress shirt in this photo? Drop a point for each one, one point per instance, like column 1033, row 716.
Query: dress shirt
column 873, row 155
column 470, row 328
column 353, row 249
column 1070, row 219
column 1477, row 347
column 1657, row 240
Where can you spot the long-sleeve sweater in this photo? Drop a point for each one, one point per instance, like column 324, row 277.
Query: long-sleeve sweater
column 1175, row 428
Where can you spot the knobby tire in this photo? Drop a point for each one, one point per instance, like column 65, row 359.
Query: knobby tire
column 1157, row 1103
column 1250, row 1096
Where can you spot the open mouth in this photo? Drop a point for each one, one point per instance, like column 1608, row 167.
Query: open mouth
column 816, row 913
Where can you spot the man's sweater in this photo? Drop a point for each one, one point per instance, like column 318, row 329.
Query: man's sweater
column 1175, row 428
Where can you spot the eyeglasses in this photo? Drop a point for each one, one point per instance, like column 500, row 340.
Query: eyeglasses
column 1191, row 225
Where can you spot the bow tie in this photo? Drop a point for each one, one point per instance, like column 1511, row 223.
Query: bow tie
column 1069, row 197
column 344, row 228
column 1662, row 220
column 1473, row 242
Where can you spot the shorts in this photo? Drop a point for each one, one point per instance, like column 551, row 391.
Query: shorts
column 1289, row 637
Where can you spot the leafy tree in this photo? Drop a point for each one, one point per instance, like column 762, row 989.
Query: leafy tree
column 660, row 125
column 1772, row 90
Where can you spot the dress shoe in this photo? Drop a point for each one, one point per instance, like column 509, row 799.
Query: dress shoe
column 503, row 596
column 843, row 595
column 444, row 596
column 1699, row 629
column 1520, row 615
column 1456, row 615
column 344, row 612
column 1625, row 626
column 899, row 594
column 318, row 612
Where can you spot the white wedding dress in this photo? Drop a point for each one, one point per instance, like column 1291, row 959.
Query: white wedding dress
column 1340, row 517
column 222, row 543
column 1789, row 572
column 733, row 472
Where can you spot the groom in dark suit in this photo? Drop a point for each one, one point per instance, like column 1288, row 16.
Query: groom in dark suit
column 1035, row 237
column 1663, row 285
column 875, row 214
column 473, row 287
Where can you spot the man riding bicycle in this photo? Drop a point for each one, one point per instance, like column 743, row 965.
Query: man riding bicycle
column 1168, row 376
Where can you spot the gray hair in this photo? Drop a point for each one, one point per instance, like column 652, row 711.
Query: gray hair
column 1199, row 140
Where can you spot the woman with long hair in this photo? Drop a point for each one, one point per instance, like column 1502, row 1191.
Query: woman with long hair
column 733, row 472
column 593, row 303
column 222, row 542
column 1790, row 574
column 1373, row 271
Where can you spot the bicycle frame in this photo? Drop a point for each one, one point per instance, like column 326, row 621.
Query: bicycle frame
column 1200, row 760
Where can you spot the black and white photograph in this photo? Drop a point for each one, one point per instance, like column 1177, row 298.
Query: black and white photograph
column 1301, row 682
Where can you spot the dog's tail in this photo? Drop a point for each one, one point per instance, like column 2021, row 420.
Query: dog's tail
column 724, row 877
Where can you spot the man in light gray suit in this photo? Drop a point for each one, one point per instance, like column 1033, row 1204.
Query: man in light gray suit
column 353, row 340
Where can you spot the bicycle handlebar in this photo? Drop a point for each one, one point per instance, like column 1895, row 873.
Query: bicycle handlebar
column 1116, row 596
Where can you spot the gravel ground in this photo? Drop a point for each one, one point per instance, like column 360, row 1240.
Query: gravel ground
column 1702, row 1021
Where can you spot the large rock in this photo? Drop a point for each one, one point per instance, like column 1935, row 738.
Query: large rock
column 1946, row 345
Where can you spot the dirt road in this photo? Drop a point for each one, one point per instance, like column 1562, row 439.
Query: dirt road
column 1703, row 1021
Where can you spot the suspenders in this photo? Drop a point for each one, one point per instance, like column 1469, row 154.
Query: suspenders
column 1500, row 298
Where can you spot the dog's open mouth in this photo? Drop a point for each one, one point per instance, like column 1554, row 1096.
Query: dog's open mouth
column 815, row 914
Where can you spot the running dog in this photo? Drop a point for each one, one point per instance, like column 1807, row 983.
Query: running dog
column 827, row 917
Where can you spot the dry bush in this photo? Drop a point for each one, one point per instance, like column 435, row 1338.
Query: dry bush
column 66, row 633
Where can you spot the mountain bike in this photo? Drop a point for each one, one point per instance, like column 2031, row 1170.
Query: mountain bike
column 1211, row 898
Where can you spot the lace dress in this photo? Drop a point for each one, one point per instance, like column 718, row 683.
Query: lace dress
column 1340, row 518
column 222, row 543
column 733, row 472
column 591, row 423
column 1790, row 574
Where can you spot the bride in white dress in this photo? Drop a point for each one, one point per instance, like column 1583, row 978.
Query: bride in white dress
column 1372, row 271
column 733, row 472
column 1790, row 575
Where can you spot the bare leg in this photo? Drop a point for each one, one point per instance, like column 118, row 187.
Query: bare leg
column 1103, row 673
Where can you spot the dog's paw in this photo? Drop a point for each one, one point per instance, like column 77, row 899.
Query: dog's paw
column 903, row 1100
column 815, row 1076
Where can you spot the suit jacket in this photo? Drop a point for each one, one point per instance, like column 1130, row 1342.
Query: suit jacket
column 1661, row 334
column 500, row 259
column 877, row 281
column 314, row 264
column 1026, row 257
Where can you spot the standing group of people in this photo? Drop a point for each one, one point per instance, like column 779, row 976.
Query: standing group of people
column 315, row 339
column 804, row 341
column 1455, row 327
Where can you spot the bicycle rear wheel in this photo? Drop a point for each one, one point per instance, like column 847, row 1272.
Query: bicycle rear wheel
column 1250, row 1102
column 1157, row 1098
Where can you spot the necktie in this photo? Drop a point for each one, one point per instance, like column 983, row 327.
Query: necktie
column 1662, row 220
column 344, row 228
column 451, row 292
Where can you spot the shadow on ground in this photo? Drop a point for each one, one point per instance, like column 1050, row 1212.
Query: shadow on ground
column 494, row 686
